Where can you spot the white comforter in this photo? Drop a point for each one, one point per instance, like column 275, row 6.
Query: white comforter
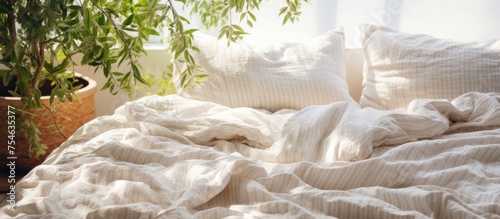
column 170, row 157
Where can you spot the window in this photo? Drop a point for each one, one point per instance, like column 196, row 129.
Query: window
column 467, row 20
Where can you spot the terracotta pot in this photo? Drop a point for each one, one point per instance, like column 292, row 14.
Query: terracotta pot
column 70, row 116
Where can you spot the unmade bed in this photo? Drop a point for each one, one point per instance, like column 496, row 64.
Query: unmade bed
column 419, row 143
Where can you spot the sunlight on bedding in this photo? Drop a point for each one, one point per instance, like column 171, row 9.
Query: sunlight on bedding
column 423, row 141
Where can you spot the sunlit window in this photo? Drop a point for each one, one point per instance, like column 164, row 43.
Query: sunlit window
column 466, row 20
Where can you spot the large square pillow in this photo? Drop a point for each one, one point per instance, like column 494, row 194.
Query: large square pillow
column 288, row 75
column 400, row 67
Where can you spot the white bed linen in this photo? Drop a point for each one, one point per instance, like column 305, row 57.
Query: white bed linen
column 171, row 157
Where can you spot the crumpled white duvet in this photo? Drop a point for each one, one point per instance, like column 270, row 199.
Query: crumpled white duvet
column 171, row 157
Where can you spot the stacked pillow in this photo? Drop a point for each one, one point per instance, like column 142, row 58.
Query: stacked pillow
column 401, row 67
column 289, row 75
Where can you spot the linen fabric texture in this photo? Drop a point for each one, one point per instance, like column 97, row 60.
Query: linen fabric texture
column 288, row 75
column 401, row 67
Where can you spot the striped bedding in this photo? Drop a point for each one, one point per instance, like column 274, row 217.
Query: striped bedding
column 171, row 157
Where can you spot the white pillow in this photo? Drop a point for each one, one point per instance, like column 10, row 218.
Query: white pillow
column 290, row 75
column 401, row 67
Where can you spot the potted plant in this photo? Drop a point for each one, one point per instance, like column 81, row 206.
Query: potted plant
column 39, row 40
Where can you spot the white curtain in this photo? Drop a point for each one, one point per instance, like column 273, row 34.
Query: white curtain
column 463, row 20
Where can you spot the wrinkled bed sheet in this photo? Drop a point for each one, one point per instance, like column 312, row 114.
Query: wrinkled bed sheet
column 171, row 157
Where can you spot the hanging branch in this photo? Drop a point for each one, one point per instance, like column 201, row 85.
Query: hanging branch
column 36, row 35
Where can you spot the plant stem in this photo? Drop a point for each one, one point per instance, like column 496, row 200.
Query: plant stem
column 174, row 12
column 12, row 23
column 115, row 27
column 59, row 129
column 40, row 54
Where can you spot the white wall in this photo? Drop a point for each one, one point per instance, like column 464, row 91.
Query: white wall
column 156, row 62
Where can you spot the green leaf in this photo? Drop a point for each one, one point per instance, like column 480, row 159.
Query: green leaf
column 293, row 7
column 151, row 31
column 221, row 34
column 101, row 20
column 237, row 27
column 25, row 74
column 194, row 48
column 73, row 14
column 287, row 17
column 190, row 31
column 62, row 67
column 252, row 16
column 74, row 7
column 183, row 79
column 71, row 22
column 106, row 85
column 188, row 57
column 51, row 100
column 129, row 20
column 240, row 5
column 283, row 10
column 88, row 18
column 137, row 74
column 107, row 39
column 242, row 16
column 184, row 19
column 225, row 11
column 14, row 94
column 5, row 72
column 126, row 77
column 201, row 76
